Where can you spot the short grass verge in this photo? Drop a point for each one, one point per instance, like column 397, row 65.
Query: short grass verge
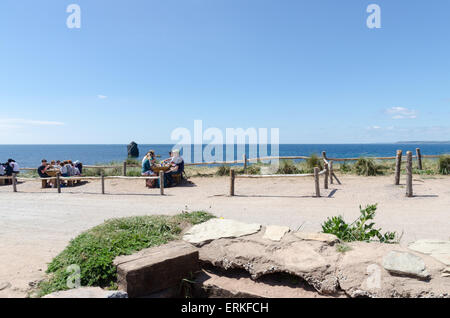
column 94, row 250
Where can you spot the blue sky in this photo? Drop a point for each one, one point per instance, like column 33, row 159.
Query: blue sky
column 138, row 69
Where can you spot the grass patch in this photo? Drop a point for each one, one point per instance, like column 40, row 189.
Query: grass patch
column 94, row 250
column 362, row 229
column 367, row 167
column 288, row 167
column 444, row 165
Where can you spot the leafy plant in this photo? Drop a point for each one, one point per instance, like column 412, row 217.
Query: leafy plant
column 444, row 165
column 362, row 229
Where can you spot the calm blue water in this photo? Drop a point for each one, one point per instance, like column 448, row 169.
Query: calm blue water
column 31, row 155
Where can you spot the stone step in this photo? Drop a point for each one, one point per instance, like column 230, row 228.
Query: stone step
column 156, row 269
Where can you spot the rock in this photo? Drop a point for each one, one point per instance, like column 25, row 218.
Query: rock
column 156, row 268
column 4, row 285
column 403, row 263
column 446, row 272
column 214, row 229
column 133, row 150
column 275, row 233
column 87, row 292
column 321, row 237
column 437, row 249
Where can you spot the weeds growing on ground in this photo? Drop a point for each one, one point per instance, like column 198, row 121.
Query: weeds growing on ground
column 362, row 229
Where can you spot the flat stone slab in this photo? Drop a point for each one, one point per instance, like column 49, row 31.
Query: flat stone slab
column 218, row 228
column 403, row 263
column 87, row 292
column 437, row 249
column 157, row 268
column 275, row 233
column 321, row 237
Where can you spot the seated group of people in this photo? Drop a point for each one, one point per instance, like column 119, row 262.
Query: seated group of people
column 8, row 168
column 66, row 168
column 175, row 163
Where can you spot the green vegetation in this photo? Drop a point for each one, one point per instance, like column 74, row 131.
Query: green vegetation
column 362, row 229
column 94, row 250
column 287, row 167
column 367, row 167
column 314, row 161
column 444, row 165
column 342, row 248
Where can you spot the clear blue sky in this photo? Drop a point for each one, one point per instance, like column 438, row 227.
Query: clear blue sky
column 137, row 69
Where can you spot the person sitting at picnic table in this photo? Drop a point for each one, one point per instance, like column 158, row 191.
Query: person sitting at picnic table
column 176, row 167
column 2, row 169
column 14, row 166
column 147, row 163
column 42, row 170
column 64, row 169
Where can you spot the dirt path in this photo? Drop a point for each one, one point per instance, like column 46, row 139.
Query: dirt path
column 35, row 224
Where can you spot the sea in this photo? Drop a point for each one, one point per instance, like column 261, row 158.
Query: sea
column 31, row 155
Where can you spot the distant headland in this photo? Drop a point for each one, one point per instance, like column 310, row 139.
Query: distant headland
column 423, row 142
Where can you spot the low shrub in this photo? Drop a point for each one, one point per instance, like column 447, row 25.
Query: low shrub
column 444, row 165
column 314, row 161
column 362, row 229
column 223, row 171
column 366, row 167
column 287, row 167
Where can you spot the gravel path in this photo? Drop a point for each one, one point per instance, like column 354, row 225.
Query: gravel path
column 36, row 224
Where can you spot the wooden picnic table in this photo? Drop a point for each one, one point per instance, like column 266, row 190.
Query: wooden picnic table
column 158, row 168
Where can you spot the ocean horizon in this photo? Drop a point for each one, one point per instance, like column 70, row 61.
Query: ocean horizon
column 91, row 154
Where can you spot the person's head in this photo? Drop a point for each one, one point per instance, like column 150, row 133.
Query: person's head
column 10, row 160
column 170, row 153
column 44, row 162
column 52, row 162
column 61, row 164
column 58, row 162
column 176, row 153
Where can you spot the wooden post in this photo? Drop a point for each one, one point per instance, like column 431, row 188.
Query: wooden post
column 331, row 172
column 161, row 182
column 419, row 159
column 58, row 183
column 245, row 163
column 409, row 176
column 327, row 173
column 316, row 181
column 324, row 155
column 232, row 177
column 103, row 181
column 398, row 167
column 124, row 168
column 14, row 182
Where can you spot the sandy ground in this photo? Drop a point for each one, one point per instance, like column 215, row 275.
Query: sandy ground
column 36, row 224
